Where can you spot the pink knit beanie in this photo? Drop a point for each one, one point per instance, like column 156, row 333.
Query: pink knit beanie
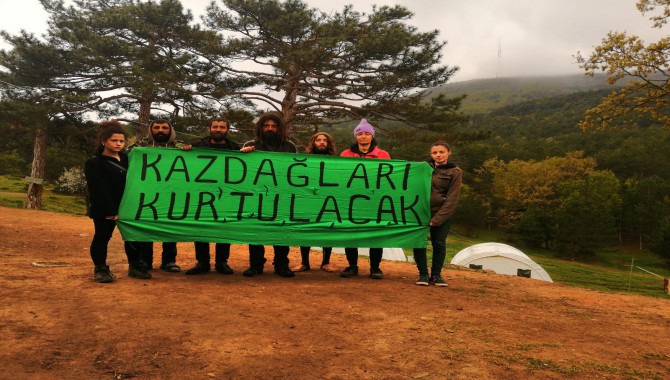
column 364, row 126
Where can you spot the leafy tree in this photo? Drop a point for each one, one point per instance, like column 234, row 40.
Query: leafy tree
column 313, row 66
column 586, row 217
column 624, row 57
column 525, row 193
column 114, row 57
column 645, row 211
column 472, row 211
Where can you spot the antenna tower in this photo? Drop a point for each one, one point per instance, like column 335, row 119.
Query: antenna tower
column 499, row 69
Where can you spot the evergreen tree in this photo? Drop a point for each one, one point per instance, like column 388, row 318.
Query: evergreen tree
column 313, row 66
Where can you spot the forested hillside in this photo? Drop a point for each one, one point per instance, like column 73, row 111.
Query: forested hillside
column 532, row 172
column 489, row 94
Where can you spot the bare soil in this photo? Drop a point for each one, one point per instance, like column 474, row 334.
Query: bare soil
column 56, row 323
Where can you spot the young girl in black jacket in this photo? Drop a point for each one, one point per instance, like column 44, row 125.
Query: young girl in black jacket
column 106, row 179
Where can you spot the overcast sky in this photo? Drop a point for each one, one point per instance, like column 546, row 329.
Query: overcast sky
column 536, row 37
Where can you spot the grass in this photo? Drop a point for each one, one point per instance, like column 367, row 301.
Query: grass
column 13, row 194
column 608, row 271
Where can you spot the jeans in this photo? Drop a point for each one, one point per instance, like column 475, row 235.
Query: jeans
column 438, row 238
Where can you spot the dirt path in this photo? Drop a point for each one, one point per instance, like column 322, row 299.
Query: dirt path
column 56, row 323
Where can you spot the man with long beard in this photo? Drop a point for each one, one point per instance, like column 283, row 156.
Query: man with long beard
column 271, row 136
column 320, row 143
column 161, row 135
column 217, row 139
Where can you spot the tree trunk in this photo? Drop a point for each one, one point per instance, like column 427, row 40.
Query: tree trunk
column 36, row 187
column 289, row 102
column 143, row 117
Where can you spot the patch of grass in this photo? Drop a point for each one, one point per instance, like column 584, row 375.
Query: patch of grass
column 534, row 346
column 608, row 270
column 655, row 356
column 12, row 184
column 13, row 194
column 454, row 353
column 550, row 365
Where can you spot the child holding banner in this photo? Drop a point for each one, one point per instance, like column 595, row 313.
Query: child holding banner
column 365, row 147
column 444, row 191
column 106, row 180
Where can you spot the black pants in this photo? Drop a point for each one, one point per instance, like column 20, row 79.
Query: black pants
column 104, row 228
column 375, row 256
column 304, row 255
column 169, row 254
column 221, row 253
column 257, row 256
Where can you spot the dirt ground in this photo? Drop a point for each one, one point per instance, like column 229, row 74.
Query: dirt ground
column 56, row 323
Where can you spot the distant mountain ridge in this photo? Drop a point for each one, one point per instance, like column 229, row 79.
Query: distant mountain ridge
column 484, row 95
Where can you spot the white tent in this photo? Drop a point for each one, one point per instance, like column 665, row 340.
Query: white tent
column 502, row 259
column 394, row 254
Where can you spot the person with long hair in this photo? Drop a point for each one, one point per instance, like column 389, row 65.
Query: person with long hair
column 319, row 143
column 106, row 180
column 444, row 191
column 271, row 135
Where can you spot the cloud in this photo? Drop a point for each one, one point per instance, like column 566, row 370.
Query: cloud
column 537, row 37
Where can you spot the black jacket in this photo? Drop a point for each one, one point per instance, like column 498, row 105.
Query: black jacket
column 106, row 180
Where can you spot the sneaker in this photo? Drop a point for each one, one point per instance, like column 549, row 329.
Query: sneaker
column 102, row 274
column 376, row 273
column 439, row 281
column 138, row 272
column 284, row 272
column 423, row 280
column 223, row 269
column 252, row 271
column 198, row 269
column 171, row 267
column 349, row 272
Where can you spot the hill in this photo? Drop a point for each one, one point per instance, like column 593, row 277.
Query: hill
column 56, row 323
column 488, row 94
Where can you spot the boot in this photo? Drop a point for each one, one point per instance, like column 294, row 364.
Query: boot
column 138, row 270
column 102, row 274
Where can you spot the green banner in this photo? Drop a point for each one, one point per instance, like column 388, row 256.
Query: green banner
column 214, row 195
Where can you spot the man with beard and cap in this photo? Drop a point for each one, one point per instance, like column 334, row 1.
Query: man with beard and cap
column 217, row 139
column 271, row 136
column 161, row 135
column 320, row 143
column 365, row 147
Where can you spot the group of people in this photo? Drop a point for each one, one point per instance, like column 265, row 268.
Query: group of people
column 106, row 177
